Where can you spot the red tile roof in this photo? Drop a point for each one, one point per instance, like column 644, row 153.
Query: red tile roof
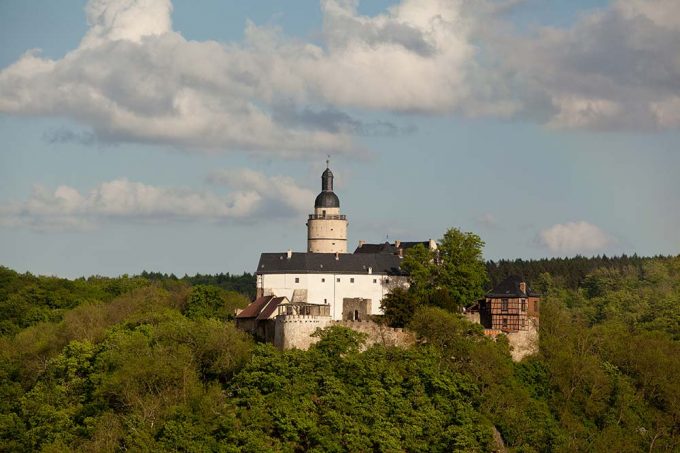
column 270, row 308
column 255, row 307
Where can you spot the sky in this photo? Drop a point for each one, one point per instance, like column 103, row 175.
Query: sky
column 189, row 137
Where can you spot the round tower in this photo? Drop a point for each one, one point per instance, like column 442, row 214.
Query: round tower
column 327, row 228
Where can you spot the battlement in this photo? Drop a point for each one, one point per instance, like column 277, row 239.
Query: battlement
column 302, row 319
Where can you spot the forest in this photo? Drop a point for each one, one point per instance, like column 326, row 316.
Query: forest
column 154, row 363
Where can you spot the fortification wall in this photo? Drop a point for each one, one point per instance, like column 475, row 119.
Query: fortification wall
column 380, row 334
column 295, row 332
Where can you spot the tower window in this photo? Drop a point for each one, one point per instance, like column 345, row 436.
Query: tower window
column 297, row 279
column 323, row 213
column 325, row 301
column 338, row 280
column 504, row 304
column 323, row 280
column 375, row 280
column 351, row 280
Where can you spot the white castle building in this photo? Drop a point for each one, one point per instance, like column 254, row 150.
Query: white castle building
column 352, row 285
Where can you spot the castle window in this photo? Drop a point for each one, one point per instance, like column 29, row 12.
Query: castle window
column 323, row 213
column 325, row 301
column 505, row 323
column 524, row 305
column 297, row 279
column 375, row 280
column 351, row 280
column 338, row 280
column 356, row 315
column 323, row 280
column 504, row 304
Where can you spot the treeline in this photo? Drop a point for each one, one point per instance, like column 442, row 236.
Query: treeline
column 569, row 272
column 244, row 283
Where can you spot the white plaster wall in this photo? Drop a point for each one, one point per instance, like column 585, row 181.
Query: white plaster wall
column 325, row 288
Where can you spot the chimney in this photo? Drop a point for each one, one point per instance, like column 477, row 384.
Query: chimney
column 289, row 253
column 370, row 270
column 523, row 287
column 337, row 256
column 401, row 253
column 432, row 244
column 397, row 244
column 361, row 243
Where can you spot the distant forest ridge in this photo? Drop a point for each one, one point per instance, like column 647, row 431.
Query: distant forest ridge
column 569, row 272
column 244, row 283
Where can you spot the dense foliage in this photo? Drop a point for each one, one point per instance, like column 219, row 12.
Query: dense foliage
column 450, row 277
column 156, row 365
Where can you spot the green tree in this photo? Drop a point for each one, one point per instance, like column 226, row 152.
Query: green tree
column 207, row 301
column 398, row 307
column 452, row 276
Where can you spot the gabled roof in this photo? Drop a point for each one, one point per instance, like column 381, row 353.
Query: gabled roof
column 329, row 263
column 389, row 248
column 255, row 307
column 510, row 287
column 270, row 308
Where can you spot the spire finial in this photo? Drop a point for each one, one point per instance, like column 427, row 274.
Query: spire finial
column 328, row 161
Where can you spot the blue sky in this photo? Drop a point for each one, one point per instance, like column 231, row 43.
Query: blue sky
column 189, row 137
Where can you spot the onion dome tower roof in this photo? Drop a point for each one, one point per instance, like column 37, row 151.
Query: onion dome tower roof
column 327, row 198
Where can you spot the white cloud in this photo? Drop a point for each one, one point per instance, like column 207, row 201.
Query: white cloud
column 254, row 195
column 574, row 237
column 135, row 79
column 614, row 68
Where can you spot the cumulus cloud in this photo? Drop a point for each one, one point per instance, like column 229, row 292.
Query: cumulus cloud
column 133, row 78
column 252, row 196
column 574, row 237
column 615, row 68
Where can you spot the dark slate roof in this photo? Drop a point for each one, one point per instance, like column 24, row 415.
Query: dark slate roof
column 377, row 248
column 315, row 263
column 270, row 308
column 327, row 199
column 510, row 288
column 255, row 307
column 389, row 248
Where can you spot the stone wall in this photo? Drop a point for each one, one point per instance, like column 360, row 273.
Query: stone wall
column 522, row 343
column 295, row 332
column 380, row 334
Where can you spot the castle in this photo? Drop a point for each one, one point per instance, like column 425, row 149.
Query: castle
column 298, row 292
